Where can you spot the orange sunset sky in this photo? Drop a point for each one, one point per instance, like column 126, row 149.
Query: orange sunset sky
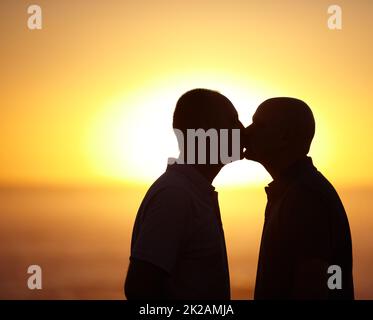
column 88, row 101
column 81, row 97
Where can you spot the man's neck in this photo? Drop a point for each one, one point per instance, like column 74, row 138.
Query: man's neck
column 208, row 171
column 278, row 167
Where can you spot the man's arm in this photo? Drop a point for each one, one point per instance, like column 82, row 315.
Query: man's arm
column 145, row 281
column 310, row 280
column 158, row 245
column 309, row 240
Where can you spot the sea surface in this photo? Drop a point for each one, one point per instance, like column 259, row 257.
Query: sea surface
column 80, row 237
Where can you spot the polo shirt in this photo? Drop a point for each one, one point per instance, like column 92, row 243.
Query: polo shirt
column 304, row 220
column 178, row 228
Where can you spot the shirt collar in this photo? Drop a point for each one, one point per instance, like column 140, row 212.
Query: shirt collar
column 194, row 176
column 278, row 186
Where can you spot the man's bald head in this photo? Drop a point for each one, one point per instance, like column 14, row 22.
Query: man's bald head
column 291, row 117
column 282, row 130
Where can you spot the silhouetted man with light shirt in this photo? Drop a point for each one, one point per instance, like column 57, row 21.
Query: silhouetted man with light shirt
column 178, row 249
column 306, row 229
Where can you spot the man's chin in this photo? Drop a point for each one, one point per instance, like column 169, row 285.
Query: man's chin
column 250, row 156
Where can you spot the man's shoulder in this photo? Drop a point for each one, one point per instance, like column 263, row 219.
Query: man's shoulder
column 168, row 186
column 315, row 189
column 169, row 180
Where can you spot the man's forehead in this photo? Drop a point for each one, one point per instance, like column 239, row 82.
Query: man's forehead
column 230, row 113
column 266, row 111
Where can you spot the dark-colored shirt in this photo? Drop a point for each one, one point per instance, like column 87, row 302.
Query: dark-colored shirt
column 305, row 221
column 178, row 229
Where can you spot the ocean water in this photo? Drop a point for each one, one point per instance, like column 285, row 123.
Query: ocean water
column 80, row 237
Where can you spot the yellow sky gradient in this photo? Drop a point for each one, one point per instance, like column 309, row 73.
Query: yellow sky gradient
column 89, row 98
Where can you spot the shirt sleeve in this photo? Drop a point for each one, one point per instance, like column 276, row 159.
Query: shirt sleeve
column 163, row 228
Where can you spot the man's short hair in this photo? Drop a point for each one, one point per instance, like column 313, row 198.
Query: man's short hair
column 200, row 108
column 296, row 115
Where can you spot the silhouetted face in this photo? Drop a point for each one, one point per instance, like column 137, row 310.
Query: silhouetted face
column 282, row 127
column 265, row 137
column 232, row 122
column 216, row 120
column 227, row 118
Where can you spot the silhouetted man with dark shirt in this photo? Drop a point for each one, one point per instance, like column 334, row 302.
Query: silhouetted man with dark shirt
column 178, row 249
column 306, row 229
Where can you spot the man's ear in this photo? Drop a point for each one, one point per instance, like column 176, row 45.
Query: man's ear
column 286, row 137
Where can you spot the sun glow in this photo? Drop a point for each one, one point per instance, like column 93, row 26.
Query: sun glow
column 132, row 138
